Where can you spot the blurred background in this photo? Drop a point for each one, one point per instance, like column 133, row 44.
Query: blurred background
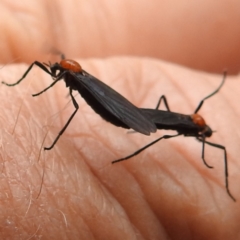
column 199, row 34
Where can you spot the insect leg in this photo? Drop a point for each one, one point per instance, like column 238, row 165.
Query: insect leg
column 164, row 101
column 44, row 90
column 203, row 151
column 66, row 125
column 213, row 93
column 40, row 65
column 226, row 166
column 52, row 84
column 143, row 148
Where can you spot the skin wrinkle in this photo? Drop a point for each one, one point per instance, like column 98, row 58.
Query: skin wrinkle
column 58, row 105
column 195, row 165
column 94, row 132
column 129, row 218
column 63, row 168
column 225, row 99
column 235, row 93
column 144, row 94
column 142, row 195
column 132, row 89
column 167, row 172
column 147, row 199
column 69, row 173
column 83, row 155
column 161, row 167
column 171, row 175
column 168, row 75
column 53, row 118
column 98, row 136
column 145, row 97
column 127, row 213
column 137, row 182
column 89, row 229
column 129, row 94
column 86, row 118
column 95, row 173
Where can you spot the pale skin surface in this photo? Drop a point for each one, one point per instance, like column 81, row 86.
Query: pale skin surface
column 165, row 192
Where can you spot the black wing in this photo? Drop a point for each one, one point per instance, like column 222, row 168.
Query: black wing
column 115, row 103
column 170, row 120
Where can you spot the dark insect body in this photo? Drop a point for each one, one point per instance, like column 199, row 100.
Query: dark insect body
column 105, row 101
column 186, row 125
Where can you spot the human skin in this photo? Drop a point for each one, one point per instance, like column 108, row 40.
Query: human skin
column 73, row 191
column 201, row 34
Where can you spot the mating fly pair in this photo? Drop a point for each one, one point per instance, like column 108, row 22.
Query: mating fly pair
column 116, row 109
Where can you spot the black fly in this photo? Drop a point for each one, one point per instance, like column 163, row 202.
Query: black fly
column 105, row 101
column 186, row 125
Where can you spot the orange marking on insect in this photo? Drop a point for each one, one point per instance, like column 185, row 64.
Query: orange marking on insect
column 71, row 65
column 198, row 120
